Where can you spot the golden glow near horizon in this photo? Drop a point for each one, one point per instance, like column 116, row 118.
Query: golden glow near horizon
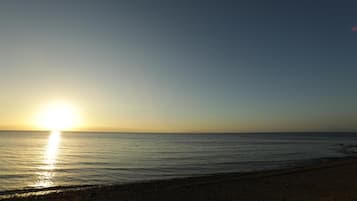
column 58, row 116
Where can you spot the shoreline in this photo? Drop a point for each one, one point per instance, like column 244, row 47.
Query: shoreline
column 26, row 192
column 331, row 178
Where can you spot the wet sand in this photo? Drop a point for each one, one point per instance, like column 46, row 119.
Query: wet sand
column 329, row 180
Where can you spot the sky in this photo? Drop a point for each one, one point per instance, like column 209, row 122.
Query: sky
column 181, row 66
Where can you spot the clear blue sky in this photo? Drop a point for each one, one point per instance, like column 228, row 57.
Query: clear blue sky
column 182, row 65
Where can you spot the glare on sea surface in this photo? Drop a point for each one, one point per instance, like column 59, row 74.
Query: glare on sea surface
column 52, row 147
column 46, row 172
column 58, row 116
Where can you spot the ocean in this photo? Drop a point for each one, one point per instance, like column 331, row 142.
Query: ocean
column 38, row 160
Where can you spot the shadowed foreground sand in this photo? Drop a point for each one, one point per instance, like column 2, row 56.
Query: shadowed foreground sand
column 330, row 180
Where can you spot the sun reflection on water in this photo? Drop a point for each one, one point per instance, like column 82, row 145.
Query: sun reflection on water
column 46, row 172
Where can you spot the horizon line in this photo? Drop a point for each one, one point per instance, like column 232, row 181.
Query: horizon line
column 177, row 132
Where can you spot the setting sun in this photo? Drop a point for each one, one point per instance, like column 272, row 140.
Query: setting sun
column 58, row 116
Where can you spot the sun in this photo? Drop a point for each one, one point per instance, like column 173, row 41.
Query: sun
column 58, row 116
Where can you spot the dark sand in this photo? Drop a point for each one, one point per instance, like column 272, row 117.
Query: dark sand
column 329, row 180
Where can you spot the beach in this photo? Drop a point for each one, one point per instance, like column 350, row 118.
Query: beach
column 330, row 179
column 186, row 100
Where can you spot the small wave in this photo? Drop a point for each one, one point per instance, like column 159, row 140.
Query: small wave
column 15, row 176
column 40, row 191
column 349, row 149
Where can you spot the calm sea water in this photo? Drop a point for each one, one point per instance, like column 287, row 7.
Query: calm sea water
column 39, row 160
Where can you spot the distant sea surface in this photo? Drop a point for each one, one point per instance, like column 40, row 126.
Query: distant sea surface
column 36, row 160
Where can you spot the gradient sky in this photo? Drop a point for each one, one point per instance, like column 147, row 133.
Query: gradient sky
column 182, row 65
